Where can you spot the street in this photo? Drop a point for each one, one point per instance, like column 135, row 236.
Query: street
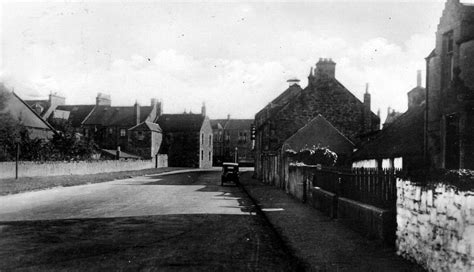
column 183, row 221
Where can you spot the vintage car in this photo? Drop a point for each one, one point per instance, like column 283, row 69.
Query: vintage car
column 230, row 172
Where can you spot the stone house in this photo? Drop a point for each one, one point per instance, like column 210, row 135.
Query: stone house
column 217, row 126
column 319, row 132
column 230, row 134
column 145, row 139
column 109, row 125
column 28, row 117
column 187, row 140
column 400, row 143
column 73, row 114
column 449, row 135
column 295, row 107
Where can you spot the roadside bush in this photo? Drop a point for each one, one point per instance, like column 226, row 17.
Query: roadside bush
column 314, row 155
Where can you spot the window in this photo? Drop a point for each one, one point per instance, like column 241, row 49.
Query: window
column 449, row 42
column 111, row 130
column 202, row 155
column 209, row 155
column 140, row 135
column 123, row 132
column 202, row 138
column 210, row 140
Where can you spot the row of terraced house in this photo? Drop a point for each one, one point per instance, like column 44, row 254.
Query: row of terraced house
column 437, row 130
column 140, row 132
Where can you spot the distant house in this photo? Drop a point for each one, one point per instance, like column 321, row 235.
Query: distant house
column 296, row 107
column 450, row 90
column 187, row 140
column 45, row 108
column 219, row 150
column 392, row 115
column 400, row 143
column 145, row 139
column 28, row 118
column 230, row 134
column 319, row 132
column 108, row 125
column 72, row 114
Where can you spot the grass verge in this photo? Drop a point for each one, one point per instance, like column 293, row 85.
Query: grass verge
column 15, row 186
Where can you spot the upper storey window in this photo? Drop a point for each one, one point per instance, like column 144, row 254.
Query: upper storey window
column 449, row 42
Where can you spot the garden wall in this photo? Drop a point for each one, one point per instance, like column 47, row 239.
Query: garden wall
column 55, row 168
column 436, row 226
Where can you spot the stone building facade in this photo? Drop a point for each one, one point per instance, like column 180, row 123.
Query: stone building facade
column 109, row 125
column 145, row 139
column 187, row 140
column 295, row 107
column 449, row 127
column 231, row 136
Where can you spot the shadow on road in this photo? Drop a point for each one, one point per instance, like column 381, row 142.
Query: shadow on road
column 184, row 241
column 203, row 242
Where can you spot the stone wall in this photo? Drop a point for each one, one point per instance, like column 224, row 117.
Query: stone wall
column 37, row 169
column 436, row 226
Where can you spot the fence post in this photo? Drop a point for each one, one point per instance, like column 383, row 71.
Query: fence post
column 17, row 159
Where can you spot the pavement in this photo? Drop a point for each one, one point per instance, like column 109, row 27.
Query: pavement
column 320, row 243
column 182, row 221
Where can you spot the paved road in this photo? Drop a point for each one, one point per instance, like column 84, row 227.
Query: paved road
column 165, row 222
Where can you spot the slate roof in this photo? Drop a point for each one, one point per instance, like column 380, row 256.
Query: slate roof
column 218, row 123
column 328, row 97
column 147, row 126
column 186, row 122
column 77, row 113
column 116, row 116
column 403, row 137
column 276, row 104
column 238, row 124
column 319, row 131
column 35, row 113
column 43, row 103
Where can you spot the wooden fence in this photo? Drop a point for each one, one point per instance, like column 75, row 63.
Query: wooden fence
column 369, row 186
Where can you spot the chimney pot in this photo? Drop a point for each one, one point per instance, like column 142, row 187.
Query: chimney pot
column 418, row 78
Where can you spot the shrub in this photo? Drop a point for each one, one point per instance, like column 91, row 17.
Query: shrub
column 314, row 155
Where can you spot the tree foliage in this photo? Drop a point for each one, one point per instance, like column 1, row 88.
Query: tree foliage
column 65, row 145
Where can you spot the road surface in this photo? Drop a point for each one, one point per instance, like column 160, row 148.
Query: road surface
column 175, row 222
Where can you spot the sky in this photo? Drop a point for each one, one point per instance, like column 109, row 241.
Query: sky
column 235, row 56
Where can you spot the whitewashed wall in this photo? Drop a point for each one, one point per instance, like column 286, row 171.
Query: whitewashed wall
column 436, row 226
column 37, row 169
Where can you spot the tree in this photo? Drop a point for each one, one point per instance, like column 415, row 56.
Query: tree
column 10, row 129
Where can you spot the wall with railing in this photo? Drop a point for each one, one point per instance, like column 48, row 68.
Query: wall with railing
column 362, row 198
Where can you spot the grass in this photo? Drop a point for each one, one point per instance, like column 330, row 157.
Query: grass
column 25, row 184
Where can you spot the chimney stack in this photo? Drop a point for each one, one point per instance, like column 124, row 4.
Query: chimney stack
column 203, row 109
column 136, row 111
column 228, row 116
column 293, row 81
column 418, row 78
column 102, row 100
column 367, row 97
column 326, row 66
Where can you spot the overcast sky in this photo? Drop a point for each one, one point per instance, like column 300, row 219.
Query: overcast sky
column 235, row 56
